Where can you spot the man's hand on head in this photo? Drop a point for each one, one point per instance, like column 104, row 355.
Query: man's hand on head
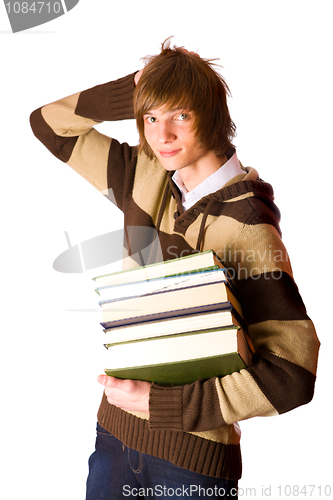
column 185, row 51
column 137, row 76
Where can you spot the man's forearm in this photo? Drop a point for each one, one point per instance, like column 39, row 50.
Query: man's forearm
column 66, row 127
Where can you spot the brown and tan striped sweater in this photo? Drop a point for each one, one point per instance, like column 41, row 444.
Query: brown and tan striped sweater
column 195, row 426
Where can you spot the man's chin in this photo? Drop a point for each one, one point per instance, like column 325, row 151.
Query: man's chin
column 169, row 166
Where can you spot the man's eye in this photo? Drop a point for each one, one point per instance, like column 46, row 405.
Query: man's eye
column 150, row 119
column 182, row 116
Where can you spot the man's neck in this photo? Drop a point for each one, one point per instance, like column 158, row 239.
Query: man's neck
column 193, row 175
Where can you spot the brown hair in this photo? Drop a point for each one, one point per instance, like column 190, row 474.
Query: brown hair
column 178, row 79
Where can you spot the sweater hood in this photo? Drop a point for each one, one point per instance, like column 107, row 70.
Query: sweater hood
column 247, row 185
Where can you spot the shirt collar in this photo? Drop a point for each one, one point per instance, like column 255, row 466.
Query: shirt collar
column 211, row 184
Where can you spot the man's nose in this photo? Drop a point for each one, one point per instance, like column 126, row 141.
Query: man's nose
column 166, row 133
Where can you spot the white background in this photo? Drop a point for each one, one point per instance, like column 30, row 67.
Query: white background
column 276, row 58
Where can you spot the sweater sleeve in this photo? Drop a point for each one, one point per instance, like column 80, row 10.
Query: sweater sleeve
column 283, row 370
column 66, row 128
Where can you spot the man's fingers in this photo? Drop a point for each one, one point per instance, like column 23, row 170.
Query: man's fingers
column 107, row 381
column 137, row 76
column 131, row 395
column 185, row 51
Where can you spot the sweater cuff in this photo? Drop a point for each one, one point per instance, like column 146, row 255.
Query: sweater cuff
column 110, row 101
column 165, row 407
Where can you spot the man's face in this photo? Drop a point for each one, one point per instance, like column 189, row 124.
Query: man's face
column 171, row 136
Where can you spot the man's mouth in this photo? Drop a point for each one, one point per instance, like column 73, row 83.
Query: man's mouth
column 169, row 153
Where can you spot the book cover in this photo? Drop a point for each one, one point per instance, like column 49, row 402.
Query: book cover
column 182, row 359
column 189, row 323
column 183, row 301
column 137, row 288
column 189, row 263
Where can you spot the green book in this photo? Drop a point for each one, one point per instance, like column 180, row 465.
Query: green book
column 180, row 359
column 188, row 264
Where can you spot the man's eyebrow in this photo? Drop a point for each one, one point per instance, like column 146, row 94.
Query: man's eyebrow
column 182, row 108
column 173, row 110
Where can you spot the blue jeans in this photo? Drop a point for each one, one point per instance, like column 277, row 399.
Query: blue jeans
column 117, row 472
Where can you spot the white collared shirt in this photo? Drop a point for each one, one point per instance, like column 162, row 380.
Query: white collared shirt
column 211, row 184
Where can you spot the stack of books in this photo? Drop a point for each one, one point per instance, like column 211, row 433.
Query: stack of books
column 173, row 322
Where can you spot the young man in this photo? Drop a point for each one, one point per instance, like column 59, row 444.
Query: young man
column 185, row 182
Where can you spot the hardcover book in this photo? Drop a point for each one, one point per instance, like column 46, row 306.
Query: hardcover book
column 180, row 359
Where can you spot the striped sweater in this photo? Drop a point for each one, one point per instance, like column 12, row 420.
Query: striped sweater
column 196, row 426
